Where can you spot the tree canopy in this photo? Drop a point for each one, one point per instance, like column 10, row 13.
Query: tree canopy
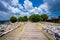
column 44, row 17
column 24, row 18
column 37, row 17
column 13, row 19
column 33, row 18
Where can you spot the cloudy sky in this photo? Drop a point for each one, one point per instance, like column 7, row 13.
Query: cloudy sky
column 18, row 8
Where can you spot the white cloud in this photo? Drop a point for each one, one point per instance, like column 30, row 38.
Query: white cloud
column 4, row 3
column 28, row 5
column 16, row 8
column 20, row 6
column 24, row 14
column 34, row 10
column 12, row 9
column 44, row 8
column 16, row 3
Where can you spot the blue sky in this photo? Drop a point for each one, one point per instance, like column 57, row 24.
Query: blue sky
column 18, row 8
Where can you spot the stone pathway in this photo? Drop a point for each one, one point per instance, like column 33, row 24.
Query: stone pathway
column 30, row 32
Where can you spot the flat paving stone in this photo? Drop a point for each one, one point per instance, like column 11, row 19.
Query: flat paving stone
column 31, row 32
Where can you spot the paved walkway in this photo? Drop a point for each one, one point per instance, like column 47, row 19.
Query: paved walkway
column 31, row 32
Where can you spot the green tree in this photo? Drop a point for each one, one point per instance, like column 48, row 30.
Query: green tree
column 13, row 19
column 34, row 18
column 20, row 19
column 24, row 18
column 44, row 17
column 41, row 19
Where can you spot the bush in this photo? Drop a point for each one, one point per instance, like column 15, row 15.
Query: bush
column 13, row 19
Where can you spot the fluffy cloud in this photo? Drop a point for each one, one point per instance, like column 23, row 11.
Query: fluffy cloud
column 6, row 10
column 16, row 4
column 27, row 5
column 14, row 8
column 9, row 8
column 42, row 9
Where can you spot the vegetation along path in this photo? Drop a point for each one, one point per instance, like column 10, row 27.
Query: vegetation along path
column 30, row 32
